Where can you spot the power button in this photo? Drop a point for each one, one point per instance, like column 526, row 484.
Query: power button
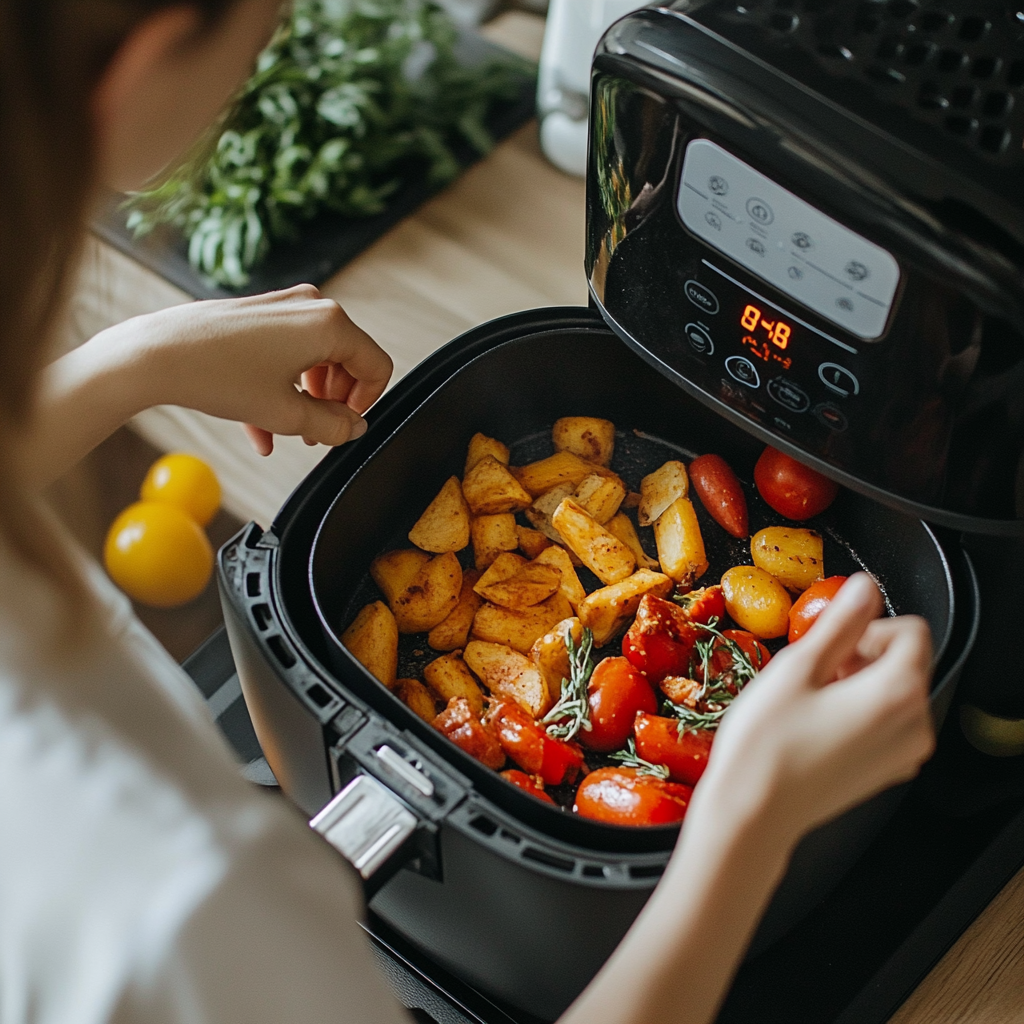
column 743, row 370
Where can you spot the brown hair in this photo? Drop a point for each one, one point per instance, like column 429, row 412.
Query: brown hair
column 52, row 55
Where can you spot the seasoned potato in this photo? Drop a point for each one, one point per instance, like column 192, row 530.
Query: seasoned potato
column 756, row 601
column 600, row 496
column 559, row 558
column 509, row 673
column 453, row 631
column 586, row 436
column 417, row 698
column 600, row 551
column 531, row 542
column 541, row 511
column 795, row 557
column 659, row 489
column 622, row 527
column 372, row 640
column 680, row 544
column 554, row 471
column 490, row 488
column 530, row 585
column 444, row 526
column 519, row 629
column 394, row 571
column 551, row 655
column 607, row 610
column 449, row 677
column 481, row 445
column 431, row 597
column 491, row 536
column 506, row 565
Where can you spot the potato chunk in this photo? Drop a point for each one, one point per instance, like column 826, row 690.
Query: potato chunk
column 372, row 640
column 555, row 471
column 680, row 544
column 452, row 632
column 607, row 610
column 417, row 698
column 530, row 585
column 509, row 673
column 505, row 566
column 588, row 437
column 394, row 571
column 541, row 511
column 622, row 526
column 600, row 551
column 481, row 445
column 490, row 489
column 492, row 535
column 570, row 585
column 795, row 557
column 444, row 526
column 531, row 542
column 449, row 677
column 659, row 489
column 600, row 496
column 519, row 629
column 431, row 597
column 551, row 655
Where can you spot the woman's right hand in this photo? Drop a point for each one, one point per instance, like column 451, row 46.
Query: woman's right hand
column 834, row 718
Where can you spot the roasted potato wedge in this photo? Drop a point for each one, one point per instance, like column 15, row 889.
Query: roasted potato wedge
column 588, row 437
column 444, row 526
column 481, row 445
column 506, row 565
column 756, row 601
column 531, row 584
column 558, row 558
column 660, row 489
column 600, row 496
column 491, row 489
column 622, row 527
column 394, row 571
column 491, row 536
column 541, row 511
column 509, row 673
column 607, row 610
column 431, row 597
column 600, row 551
column 794, row 556
column 417, row 698
column 519, row 629
column 452, row 632
column 372, row 640
column 680, row 544
column 531, row 542
column 551, row 656
column 560, row 469
column 449, row 677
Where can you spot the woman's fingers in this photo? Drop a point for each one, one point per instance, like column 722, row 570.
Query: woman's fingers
column 367, row 364
column 325, row 422
column 262, row 440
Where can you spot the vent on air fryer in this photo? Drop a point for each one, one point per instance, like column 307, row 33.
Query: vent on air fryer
column 956, row 65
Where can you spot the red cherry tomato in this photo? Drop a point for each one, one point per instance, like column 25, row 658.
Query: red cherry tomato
column 467, row 732
column 811, row 603
column 529, row 745
column 660, row 640
column 721, row 494
column 703, row 605
column 658, row 740
column 721, row 656
column 791, row 488
column 622, row 796
column 616, row 692
column 532, row 784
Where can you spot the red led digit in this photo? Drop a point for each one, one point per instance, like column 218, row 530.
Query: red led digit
column 750, row 317
column 780, row 336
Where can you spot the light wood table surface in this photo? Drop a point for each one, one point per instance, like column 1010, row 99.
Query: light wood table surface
column 506, row 236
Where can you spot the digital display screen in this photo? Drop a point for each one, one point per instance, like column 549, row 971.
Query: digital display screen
column 767, row 336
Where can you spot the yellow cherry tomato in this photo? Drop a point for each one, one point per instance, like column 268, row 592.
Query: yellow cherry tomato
column 185, row 482
column 158, row 555
column 756, row 601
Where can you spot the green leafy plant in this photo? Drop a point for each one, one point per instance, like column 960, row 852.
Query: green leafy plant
column 571, row 712
column 348, row 98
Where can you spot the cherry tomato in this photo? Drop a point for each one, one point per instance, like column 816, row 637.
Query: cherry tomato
column 467, row 732
column 721, row 655
column 810, row 604
column 616, row 692
column 622, row 796
column 791, row 488
column 660, row 640
column 528, row 744
column 685, row 755
column 703, row 605
column 721, row 493
column 532, row 784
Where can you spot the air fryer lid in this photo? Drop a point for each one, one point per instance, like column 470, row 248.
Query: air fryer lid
column 514, row 391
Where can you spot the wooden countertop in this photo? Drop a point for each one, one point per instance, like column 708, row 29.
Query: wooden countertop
column 506, row 236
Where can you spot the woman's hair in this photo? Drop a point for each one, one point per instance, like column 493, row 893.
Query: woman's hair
column 52, row 55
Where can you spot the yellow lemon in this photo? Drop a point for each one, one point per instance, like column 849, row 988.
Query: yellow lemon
column 185, row 482
column 158, row 555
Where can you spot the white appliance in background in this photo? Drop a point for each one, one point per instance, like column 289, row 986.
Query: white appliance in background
column 563, row 83
column 470, row 13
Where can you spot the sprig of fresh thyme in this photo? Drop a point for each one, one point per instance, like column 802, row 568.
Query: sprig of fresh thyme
column 571, row 712
column 629, row 758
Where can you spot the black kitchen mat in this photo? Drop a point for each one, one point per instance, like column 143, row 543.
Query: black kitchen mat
column 329, row 241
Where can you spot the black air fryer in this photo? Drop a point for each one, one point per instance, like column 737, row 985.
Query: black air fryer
column 805, row 228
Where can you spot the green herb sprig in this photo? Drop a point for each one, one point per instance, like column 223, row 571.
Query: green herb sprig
column 571, row 712
column 629, row 758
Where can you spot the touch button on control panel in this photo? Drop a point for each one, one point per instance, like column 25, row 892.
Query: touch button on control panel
column 839, row 379
column 699, row 339
column 742, row 369
column 788, row 394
